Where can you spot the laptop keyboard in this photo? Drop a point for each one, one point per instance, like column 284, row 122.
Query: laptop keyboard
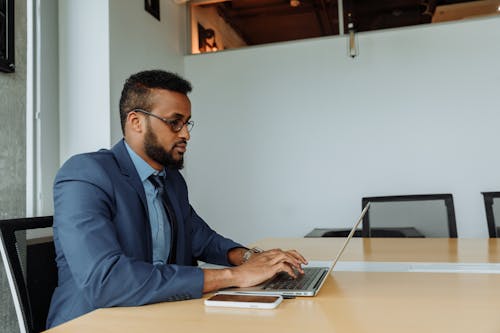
column 283, row 281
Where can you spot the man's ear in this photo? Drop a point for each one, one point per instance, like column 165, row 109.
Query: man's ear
column 134, row 122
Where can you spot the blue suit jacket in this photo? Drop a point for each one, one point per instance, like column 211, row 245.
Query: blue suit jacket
column 103, row 239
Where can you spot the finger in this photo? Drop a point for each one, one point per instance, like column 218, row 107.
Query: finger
column 295, row 264
column 284, row 267
column 274, row 253
column 294, row 259
column 276, row 256
column 280, row 257
column 298, row 256
column 290, row 261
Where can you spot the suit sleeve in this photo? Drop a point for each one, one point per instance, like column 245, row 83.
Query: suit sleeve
column 86, row 234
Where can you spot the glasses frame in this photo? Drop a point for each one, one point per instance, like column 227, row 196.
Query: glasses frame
column 171, row 123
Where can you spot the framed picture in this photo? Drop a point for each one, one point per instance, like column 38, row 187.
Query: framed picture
column 7, row 36
column 153, row 8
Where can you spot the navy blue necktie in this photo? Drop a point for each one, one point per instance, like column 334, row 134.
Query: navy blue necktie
column 159, row 183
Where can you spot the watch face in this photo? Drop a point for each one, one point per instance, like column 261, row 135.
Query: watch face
column 249, row 252
column 247, row 255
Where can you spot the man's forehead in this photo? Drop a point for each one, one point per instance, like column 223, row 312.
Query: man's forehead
column 165, row 93
column 164, row 97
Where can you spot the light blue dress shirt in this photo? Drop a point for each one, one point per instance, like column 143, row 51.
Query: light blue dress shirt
column 158, row 219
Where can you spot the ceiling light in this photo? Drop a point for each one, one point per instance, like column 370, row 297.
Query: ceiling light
column 498, row 9
column 353, row 49
column 294, row 3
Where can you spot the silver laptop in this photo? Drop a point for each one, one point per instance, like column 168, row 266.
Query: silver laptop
column 307, row 284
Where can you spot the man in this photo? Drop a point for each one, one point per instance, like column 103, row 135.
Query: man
column 124, row 231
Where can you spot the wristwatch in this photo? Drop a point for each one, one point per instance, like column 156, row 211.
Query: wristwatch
column 248, row 253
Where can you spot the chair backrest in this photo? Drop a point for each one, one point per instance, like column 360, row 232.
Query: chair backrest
column 491, row 212
column 341, row 233
column 420, row 215
column 32, row 287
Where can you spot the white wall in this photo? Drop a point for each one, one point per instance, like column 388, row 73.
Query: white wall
column 47, row 106
column 101, row 44
column 83, row 76
column 289, row 137
column 138, row 41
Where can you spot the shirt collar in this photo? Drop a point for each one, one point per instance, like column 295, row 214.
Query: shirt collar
column 143, row 168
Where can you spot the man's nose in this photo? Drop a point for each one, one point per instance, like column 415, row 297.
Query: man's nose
column 184, row 133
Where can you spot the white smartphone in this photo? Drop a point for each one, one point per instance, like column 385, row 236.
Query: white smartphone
column 237, row 300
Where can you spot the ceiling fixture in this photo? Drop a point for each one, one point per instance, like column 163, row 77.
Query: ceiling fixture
column 353, row 49
column 427, row 8
column 294, row 3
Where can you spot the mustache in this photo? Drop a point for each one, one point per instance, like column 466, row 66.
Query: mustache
column 180, row 142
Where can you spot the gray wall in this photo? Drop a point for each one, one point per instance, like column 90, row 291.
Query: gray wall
column 83, row 67
column 13, row 152
column 47, row 129
column 131, row 52
column 290, row 136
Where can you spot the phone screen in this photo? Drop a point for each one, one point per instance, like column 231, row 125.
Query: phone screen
column 244, row 298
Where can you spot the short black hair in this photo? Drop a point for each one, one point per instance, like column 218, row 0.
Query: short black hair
column 137, row 88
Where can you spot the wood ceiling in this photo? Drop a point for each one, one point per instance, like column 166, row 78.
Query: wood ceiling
column 267, row 21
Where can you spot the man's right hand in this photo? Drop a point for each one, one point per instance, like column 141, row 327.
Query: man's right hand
column 259, row 268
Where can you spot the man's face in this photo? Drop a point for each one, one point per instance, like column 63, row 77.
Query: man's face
column 161, row 144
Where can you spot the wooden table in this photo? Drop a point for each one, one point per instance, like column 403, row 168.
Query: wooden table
column 394, row 249
column 349, row 301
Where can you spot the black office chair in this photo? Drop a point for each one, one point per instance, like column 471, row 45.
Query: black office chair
column 31, row 288
column 405, row 230
column 489, row 200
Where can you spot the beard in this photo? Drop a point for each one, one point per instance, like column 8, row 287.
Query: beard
column 156, row 152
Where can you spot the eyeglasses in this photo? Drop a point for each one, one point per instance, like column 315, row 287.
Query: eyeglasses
column 175, row 125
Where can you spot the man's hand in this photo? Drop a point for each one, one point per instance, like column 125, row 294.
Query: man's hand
column 259, row 268
column 263, row 266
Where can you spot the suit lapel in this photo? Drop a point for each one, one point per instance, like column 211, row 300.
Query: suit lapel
column 128, row 170
column 130, row 174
